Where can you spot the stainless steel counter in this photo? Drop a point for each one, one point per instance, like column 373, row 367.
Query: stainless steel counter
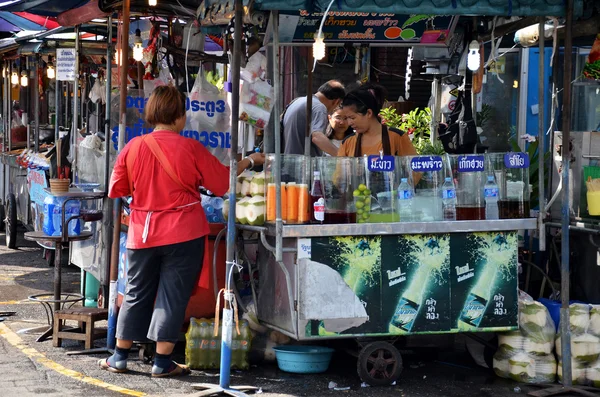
column 365, row 229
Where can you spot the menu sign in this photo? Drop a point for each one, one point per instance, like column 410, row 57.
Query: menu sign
column 425, row 164
column 342, row 26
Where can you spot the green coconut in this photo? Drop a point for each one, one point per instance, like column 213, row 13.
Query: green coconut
column 257, row 184
column 256, row 211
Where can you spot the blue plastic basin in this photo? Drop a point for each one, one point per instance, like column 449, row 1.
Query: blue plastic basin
column 303, row 359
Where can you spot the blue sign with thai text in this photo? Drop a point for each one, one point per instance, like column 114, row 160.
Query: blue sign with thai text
column 516, row 160
column 381, row 163
column 426, row 163
column 471, row 163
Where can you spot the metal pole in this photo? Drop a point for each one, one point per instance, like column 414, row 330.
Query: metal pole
column 36, row 93
column 309, row 100
column 277, row 130
column 227, row 334
column 541, row 136
column 107, row 131
column 75, row 107
column 107, row 205
column 57, row 98
column 9, row 96
column 67, row 99
column 114, row 260
column 565, row 336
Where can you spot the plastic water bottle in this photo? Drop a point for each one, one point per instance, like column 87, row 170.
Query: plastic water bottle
column 405, row 200
column 490, row 192
column 217, row 204
column 52, row 224
column 449, row 200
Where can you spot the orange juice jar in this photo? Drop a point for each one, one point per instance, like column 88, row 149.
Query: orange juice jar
column 292, row 202
column 303, row 200
column 271, row 202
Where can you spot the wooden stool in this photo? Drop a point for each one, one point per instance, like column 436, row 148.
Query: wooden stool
column 87, row 317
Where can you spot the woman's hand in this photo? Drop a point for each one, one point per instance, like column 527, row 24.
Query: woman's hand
column 259, row 158
column 245, row 163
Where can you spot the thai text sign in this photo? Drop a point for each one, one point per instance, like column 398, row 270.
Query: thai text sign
column 65, row 64
column 370, row 27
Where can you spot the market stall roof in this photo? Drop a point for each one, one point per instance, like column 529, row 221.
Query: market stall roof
column 42, row 7
column 12, row 22
column 427, row 7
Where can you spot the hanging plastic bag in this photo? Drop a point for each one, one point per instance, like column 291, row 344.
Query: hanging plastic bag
column 209, row 118
column 256, row 103
column 98, row 92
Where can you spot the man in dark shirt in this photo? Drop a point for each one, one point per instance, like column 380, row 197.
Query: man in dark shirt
column 328, row 98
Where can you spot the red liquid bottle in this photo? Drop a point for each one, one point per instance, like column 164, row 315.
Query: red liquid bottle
column 317, row 200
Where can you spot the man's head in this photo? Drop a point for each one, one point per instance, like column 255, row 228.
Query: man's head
column 331, row 94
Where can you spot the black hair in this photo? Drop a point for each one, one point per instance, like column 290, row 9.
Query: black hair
column 362, row 100
column 333, row 90
column 378, row 91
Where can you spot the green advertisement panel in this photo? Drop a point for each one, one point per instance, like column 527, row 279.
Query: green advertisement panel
column 412, row 284
column 484, row 281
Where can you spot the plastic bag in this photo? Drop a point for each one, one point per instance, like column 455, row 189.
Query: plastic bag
column 209, row 118
column 584, row 325
column 256, row 103
column 526, row 355
column 203, row 347
column 98, row 92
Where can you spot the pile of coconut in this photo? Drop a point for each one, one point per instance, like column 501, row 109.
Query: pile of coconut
column 250, row 206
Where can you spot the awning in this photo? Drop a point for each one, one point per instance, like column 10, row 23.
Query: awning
column 420, row 7
column 30, row 48
column 10, row 22
column 50, row 8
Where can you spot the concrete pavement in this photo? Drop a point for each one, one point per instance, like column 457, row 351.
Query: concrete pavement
column 29, row 368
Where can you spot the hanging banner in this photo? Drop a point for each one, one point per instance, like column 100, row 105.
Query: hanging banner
column 208, row 121
column 65, row 64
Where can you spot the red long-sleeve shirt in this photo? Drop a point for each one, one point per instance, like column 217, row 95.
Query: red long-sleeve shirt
column 156, row 192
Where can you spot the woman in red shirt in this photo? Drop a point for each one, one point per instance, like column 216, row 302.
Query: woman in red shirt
column 162, row 171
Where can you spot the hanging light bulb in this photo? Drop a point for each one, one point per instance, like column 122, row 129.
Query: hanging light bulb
column 4, row 72
column 319, row 47
column 50, row 72
column 152, row 3
column 473, row 58
column 14, row 78
column 118, row 56
column 138, row 50
column 24, row 79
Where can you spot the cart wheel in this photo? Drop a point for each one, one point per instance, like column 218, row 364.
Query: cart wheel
column 379, row 364
column 11, row 221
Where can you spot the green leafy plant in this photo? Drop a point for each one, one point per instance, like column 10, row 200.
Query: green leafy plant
column 214, row 79
column 417, row 123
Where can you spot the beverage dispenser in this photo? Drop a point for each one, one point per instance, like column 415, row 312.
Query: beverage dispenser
column 340, row 178
column 294, row 188
column 471, row 178
column 514, row 200
column 427, row 174
column 382, row 179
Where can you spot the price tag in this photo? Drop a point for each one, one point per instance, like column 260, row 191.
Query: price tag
column 424, row 164
column 516, row 160
column 381, row 163
column 471, row 163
